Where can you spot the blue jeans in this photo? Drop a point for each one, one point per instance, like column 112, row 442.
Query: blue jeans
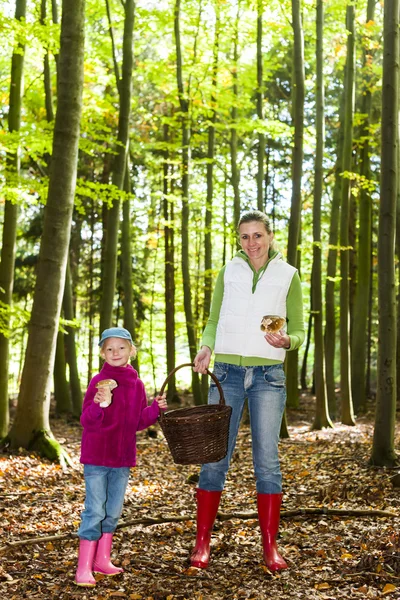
column 265, row 390
column 105, row 491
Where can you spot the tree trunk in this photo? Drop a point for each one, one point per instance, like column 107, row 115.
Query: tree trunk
column 169, row 274
column 345, row 377
column 70, row 347
column 7, row 258
column 208, row 278
column 48, row 94
column 31, row 427
column 360, row 322
column 260, row 115
column 321, row 418
column 303, row 370
column 235, row 172
column 113, row 214
column 187, row 296
column 383, row 451
column 297, row 169
column 61, row 388
column 330, row 282
column 126, row 262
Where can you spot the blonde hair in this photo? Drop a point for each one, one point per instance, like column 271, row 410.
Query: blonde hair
column 255, row 215
column 260, row 217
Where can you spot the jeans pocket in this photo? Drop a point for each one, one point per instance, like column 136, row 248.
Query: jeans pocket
column 221, row 373
column 274, row 375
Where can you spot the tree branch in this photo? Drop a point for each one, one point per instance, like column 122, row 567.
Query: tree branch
column 358, row 512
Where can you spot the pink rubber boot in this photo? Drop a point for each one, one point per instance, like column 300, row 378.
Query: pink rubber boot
column 102, row 563
column 84, row 576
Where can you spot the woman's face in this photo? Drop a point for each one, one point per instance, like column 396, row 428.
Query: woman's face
column 255, row 241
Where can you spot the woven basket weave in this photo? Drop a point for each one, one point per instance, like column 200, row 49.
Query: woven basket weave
column 198, row 434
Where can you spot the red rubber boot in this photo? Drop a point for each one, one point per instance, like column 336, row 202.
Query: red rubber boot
column 269, row 507
column 102, row 563
column 207, row 508
column 84, row 576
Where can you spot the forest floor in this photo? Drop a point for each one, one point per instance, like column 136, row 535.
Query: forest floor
column 334, row 552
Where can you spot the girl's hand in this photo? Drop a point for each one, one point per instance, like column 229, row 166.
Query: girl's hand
column 162, row 401
column 202, row 360
column 100, row 396
column 280, row 339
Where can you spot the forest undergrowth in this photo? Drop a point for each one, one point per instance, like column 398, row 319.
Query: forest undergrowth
column 336, row 539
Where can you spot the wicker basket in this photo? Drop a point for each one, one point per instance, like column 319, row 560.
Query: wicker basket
column 198, row 434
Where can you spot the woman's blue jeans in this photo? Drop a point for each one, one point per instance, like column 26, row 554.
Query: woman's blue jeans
column 105, row 491
column 265, row 390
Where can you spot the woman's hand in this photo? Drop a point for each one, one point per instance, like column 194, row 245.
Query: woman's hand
column 162, row 401
column 280, row 339
column 202, row 360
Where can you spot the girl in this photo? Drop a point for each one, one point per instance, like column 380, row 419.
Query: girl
column 109, row 449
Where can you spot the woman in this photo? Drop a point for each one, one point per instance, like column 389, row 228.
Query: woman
column 249, row 363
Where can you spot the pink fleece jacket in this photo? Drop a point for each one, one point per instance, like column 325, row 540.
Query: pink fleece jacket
column 109, row 434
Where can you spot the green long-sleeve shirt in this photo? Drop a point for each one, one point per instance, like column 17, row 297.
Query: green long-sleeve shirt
column 294, row 317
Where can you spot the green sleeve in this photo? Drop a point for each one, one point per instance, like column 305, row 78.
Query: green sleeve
column 210, row 330
column 294, row 313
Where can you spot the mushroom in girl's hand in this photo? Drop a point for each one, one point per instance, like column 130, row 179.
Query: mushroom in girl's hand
column 108, row 385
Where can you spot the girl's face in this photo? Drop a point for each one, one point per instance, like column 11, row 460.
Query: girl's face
column 117, row 352
column 255, row 242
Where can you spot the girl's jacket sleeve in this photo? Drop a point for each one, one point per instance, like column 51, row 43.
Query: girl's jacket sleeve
column 92, row 414
column 148, row 414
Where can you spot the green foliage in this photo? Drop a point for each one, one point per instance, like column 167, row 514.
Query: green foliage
column 155, row 107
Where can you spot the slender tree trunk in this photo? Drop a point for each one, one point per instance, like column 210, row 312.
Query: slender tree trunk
column 31, row 425
column 126, row 263
column 260, row 115
column 345, row 376
column 383, row 450
column 303, row 371
column 185, row 119
column 360, row 322
column 113, row 216
column 7, row 258
column 330, row 282
column 208, row 278
column 91, row 303
column 169, row 273
column 61, row 387
column 48, row 94
column 297, row 169
column 54, row 14
column 70, row 347
column 235, row 172
column 398, row 278
column 321, row 418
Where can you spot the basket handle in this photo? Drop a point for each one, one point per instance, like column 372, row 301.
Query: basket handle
column 217, row 383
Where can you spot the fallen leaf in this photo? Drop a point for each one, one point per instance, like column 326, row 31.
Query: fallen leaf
column 389, row 587
column 322, row 586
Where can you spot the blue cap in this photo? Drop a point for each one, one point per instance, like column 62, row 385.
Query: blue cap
column 117, row 332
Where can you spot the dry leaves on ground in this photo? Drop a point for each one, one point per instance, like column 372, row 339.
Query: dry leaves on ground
column 330, row 556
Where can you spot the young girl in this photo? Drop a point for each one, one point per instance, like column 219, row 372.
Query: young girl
column 109, row 449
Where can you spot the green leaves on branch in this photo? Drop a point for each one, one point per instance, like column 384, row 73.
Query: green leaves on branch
column 105, row 192
column 12, row 318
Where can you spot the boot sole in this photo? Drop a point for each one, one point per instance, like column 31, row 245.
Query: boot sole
column 199, row 564
column 108, row 574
